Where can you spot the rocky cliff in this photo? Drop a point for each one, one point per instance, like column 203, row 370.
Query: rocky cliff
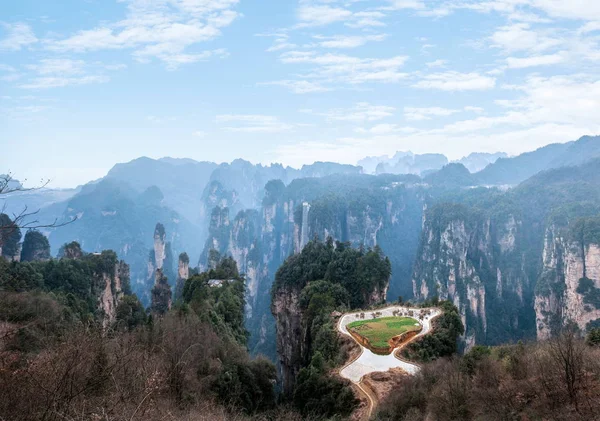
column 478, row 263
column 370, row 213
column 569, row 287
column 183, row 273
column 291, row 335
column 112, row 293
column 312, row 284
column 160, row 258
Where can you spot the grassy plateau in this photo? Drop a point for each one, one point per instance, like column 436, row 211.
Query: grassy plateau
column 380, row 331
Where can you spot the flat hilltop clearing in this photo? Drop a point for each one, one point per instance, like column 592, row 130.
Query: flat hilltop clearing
column 379, row 331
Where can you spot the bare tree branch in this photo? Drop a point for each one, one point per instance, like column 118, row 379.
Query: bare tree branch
column 23, row 219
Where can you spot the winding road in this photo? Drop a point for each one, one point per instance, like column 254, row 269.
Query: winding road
column 369, row 362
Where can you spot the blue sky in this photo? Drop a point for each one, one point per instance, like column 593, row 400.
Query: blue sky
column 88, row 83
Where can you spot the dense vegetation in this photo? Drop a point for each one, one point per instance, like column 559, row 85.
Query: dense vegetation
column 10, row 235
column 76, row 283
column 565, row 198
column 554, row 380
column 358, row 271
column 329, row 276
column 220, row 305
column 442, row 341
column 35, row 247
column 57, row 362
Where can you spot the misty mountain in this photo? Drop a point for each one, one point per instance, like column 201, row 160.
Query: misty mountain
column 517, row 169
column 182, row 181
column 477, row 161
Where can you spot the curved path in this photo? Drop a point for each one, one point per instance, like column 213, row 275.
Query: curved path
column 369, row 362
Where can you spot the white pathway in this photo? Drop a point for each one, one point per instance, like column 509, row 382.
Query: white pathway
column 369, row 362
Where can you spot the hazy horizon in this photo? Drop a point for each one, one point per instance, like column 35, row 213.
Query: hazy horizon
column 87, row 84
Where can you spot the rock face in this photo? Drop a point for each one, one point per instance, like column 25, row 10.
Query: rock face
column 291, row 348
column 113, row 291
column 110, row 279
column 477, row 263
column 183, row 273
column 569, row 287
column 71, row 251
column 511, row 280
column 161, row 294
column 161, row 257
column 293, row 332
column 159, row 246
column 260, row 241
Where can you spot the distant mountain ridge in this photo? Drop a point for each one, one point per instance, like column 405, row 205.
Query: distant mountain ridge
column 519, row 168
column 423, row 164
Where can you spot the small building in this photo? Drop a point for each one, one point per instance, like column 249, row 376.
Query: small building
column 217, row 283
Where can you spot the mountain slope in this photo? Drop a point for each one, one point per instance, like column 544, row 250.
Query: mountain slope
column 517, row 169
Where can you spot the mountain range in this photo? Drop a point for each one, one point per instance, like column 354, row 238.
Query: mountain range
column 489, row 224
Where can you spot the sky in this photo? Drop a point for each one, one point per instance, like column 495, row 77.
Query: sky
column 85, row 84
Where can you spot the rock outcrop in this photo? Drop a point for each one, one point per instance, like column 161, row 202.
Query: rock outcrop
column 568, row 290
column 36, row 247
column 477, row 263
column 161, row 294
column 112, row 291
column 159, row 246
column 183, row 273
column 291, row 343
column 260, row 241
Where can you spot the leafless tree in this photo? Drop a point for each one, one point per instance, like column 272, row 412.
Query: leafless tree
column 567, row 352
column 26, row 218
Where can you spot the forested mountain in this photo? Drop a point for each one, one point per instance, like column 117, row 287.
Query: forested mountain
column 308, row 287
column 517, row 169
column 260, row 215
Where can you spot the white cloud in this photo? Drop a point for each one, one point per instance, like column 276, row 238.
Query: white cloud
column 420, row 114
column 437, row 63
column 455, row 81
column 62, row 67
column 319, row 15
column 366, row 20
column 173, row 61
column 18, row 35
column 347, row 41
column 543, row 102
column 162, row 29
column 298, row 86
column 472, row 109
column 404, row 4
column 589, row 27
column 56, row 73
column 360, row 113
column 520, row 37
column 199, row 133
column 348, row 69
column 281, row 42
column 253, row 123
column 534, row 61
column 383, row 129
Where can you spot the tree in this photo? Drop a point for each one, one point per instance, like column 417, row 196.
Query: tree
column 593, row 337
column 35, row 247
column 9, row 237
column 567, row 354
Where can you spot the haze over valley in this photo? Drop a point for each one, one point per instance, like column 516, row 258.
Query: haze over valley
column 308, row 210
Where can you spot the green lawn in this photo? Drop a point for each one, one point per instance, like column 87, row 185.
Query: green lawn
column 380, row 331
